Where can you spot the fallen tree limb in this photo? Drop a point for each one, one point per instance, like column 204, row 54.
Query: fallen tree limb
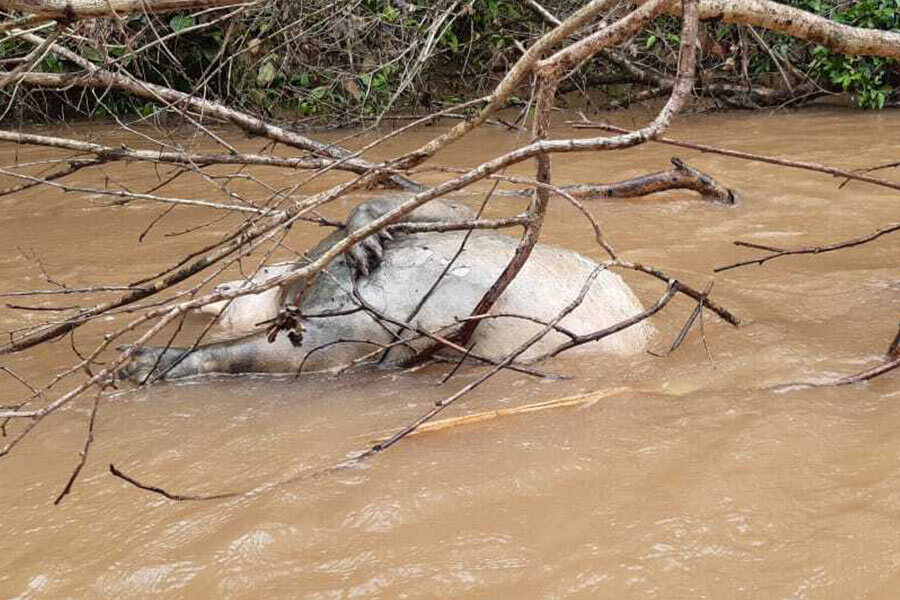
column 73, row 10
column 74, row 165
column 36, row 55
column 808, row 166
column 680, row 177
column 249, row 123
column 126, row 197
column 681, row 287
column 844, row 39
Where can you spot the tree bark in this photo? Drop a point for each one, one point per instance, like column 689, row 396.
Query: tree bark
column 681, row 177
column 73, row 10
column 797, row 23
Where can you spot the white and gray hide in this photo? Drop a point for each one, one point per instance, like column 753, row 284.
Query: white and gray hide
column 391, row 274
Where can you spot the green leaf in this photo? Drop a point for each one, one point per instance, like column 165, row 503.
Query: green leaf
column 390, row 13
column 266, row 74
column 651, row 41
column 146, row 109
column 452, row 41
column 53, row 64
column 181, row 22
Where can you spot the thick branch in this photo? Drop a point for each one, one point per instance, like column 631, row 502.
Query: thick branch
column 536, row 212
column 72, row 10
column 681, row 177
column 606, row 37
column 523, row 67
column 797, row 23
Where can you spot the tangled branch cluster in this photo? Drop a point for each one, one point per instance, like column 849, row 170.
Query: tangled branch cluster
column 147, row 307
column 317, row 63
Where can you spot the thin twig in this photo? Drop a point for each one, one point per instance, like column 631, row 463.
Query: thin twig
column 685, row 329
column 779, row 252
column 82, row 456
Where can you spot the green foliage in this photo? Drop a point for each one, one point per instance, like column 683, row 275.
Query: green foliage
column 390, row 14
column 335, row 61
column 52, row 64
column 181, row 22
column 871, row 79
column 864, row 76
column 315, row 101
column 266, row 75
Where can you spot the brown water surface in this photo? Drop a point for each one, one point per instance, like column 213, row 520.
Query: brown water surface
column 698, row 481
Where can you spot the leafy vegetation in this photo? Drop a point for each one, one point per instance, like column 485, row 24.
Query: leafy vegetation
column 319, row 61
column 872, row 79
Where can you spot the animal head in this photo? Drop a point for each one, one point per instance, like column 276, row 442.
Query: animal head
column 244, row 313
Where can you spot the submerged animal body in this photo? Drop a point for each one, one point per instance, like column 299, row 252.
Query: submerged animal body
column 346, row 315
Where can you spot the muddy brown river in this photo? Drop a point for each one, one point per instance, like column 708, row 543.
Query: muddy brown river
column 688, row 479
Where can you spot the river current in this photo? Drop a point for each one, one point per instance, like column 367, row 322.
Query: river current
column 689, row 479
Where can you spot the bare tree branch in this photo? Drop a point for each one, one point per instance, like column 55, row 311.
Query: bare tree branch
column 73, row 10
column 844, row 39
column 808, row 166
column 779, row 252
